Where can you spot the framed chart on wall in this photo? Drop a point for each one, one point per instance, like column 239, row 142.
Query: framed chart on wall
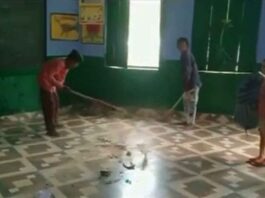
column 91, row 19
column 91, row 11
column 64, row 27
column 92, row 33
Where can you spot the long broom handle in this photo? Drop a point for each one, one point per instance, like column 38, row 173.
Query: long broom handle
column 178, row 101
column 260, row 73
column 176, row 104
column 94, row 99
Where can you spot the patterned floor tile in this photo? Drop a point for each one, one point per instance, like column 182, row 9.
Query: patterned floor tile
column 36, row 149
column 5, row 123
column 25, row 139
column 170, row 160
column 50, row 160
column 25, row 184
column 164, row 191
column 258, row 173
column 82, row 189
column 16, row 131
column 88, row 130
column 255, row 192
column 171, row 174
column 96, row 164
column 199, row 165
column 37, row 127
column 203, row 134
column 168, row 171
column 160, row 129
column 70, row 143
column 233, row 179
column 201, row 122
column 178, row 138
column 69, row 173
column 75, row 123
column 64, row 133
column 174, row 152
column 251, row 138
column 202, row 147
column 233, row 195
column 8, row 153
column 226, row 142
column 249, row 150
column 225, row 130
column 228, row 158
column 187, row 129
column 15, row 167
column 199, row 187
column 116, row 126
column 3, row 142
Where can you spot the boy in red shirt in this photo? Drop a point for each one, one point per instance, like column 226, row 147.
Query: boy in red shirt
column 51, row 79
column 260, row 160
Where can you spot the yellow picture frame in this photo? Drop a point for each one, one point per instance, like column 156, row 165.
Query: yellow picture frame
column 64, row 26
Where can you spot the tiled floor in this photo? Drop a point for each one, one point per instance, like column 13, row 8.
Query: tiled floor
column 170, row 160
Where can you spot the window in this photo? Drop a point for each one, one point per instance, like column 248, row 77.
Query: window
column 225, row 34
column 117, row 32
column 133, row 33
column 144, row 33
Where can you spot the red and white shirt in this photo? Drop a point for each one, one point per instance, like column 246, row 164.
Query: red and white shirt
column 52, row 75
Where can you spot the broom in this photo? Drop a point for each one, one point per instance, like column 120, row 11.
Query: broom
column 260, row 73
column 95, row 100
column 168, row 113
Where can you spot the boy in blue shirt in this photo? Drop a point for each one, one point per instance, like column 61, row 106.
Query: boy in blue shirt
column 191, row 80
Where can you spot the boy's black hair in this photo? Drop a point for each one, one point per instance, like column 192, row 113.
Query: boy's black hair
column 75, row 56
column 183, row 40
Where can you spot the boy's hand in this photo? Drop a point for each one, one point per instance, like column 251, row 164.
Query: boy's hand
column 187, row 95
column 59, row 86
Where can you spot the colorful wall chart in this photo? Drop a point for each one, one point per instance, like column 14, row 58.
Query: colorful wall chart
column 91, row 18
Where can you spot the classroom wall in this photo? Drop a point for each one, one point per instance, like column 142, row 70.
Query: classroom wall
column 179, row 13
column 157, row 88
column 152, row 88
column 59, row 48
column 19, row 90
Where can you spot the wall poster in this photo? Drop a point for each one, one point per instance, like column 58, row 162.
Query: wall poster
column 92, row 21
column 64, row 27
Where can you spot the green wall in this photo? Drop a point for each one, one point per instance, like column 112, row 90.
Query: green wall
column 145, row 88
column 157, row 89
column 19, row 91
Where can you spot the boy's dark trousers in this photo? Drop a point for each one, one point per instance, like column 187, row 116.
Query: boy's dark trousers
column 50, row 106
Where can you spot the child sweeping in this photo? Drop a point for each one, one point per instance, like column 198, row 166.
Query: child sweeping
column 192, row 81
column 51, row 79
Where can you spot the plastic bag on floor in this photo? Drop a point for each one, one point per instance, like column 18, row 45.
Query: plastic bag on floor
column 44, row 193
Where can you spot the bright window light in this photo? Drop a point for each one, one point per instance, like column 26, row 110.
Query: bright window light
column 144, row 33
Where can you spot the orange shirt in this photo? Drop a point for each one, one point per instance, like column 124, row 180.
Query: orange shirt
column 262, row 101
column 52, row 75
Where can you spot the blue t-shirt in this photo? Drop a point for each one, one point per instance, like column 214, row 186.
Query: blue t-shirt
column 191, row 76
